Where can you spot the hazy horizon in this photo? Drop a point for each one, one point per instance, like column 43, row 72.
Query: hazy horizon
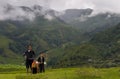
column 97, row 6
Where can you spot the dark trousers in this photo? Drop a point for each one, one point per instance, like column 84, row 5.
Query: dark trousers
column 29, row 64
column 42, row 68
column 34, row 70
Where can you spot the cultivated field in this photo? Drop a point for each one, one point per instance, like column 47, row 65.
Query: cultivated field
column 18, row 72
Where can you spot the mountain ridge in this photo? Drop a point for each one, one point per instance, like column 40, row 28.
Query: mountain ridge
column 47, row 31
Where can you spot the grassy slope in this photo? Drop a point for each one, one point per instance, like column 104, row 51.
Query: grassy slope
column 18, row 72
column 6, row 54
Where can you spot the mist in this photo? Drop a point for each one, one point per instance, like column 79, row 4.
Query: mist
column 18, row 14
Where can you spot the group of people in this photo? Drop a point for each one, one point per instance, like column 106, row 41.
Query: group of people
column 34, row 65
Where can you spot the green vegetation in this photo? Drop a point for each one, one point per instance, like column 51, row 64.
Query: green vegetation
column 41, row 33
column 9, row 69
column 97, row 23
column 93, row 50
column 6, row 53
column 18, row 72
column 66, row 45
column 101, row 51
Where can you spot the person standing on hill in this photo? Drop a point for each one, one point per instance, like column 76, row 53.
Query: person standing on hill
column 29, row 57
column 41, row 61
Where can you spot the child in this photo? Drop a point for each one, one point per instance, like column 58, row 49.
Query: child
column 34, row 67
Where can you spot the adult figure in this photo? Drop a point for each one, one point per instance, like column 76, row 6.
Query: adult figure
column 29, row 57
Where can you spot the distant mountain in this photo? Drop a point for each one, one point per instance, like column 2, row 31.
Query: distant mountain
column 87, row 22
column 37, row 10
column 103, row 50
column 30, row 13
column 42, row 33
column 70, row 15
column 71, row 34
column 82, row 19
column 98, row 22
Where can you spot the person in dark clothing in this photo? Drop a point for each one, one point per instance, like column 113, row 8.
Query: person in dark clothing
column 29, row 57
column 41, row 61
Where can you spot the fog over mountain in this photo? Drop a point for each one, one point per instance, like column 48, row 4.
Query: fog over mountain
column 61, row 5
column 57, row 24
column 97, row 5
column 21, row 12
column 13, row 12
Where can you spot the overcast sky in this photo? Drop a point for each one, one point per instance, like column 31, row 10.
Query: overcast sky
column 59, row 5
column 97, row 5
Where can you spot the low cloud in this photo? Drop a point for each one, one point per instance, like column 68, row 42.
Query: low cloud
column 17, row 13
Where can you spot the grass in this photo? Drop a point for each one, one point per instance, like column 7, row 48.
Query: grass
column 18, row 72
column 7, row 54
